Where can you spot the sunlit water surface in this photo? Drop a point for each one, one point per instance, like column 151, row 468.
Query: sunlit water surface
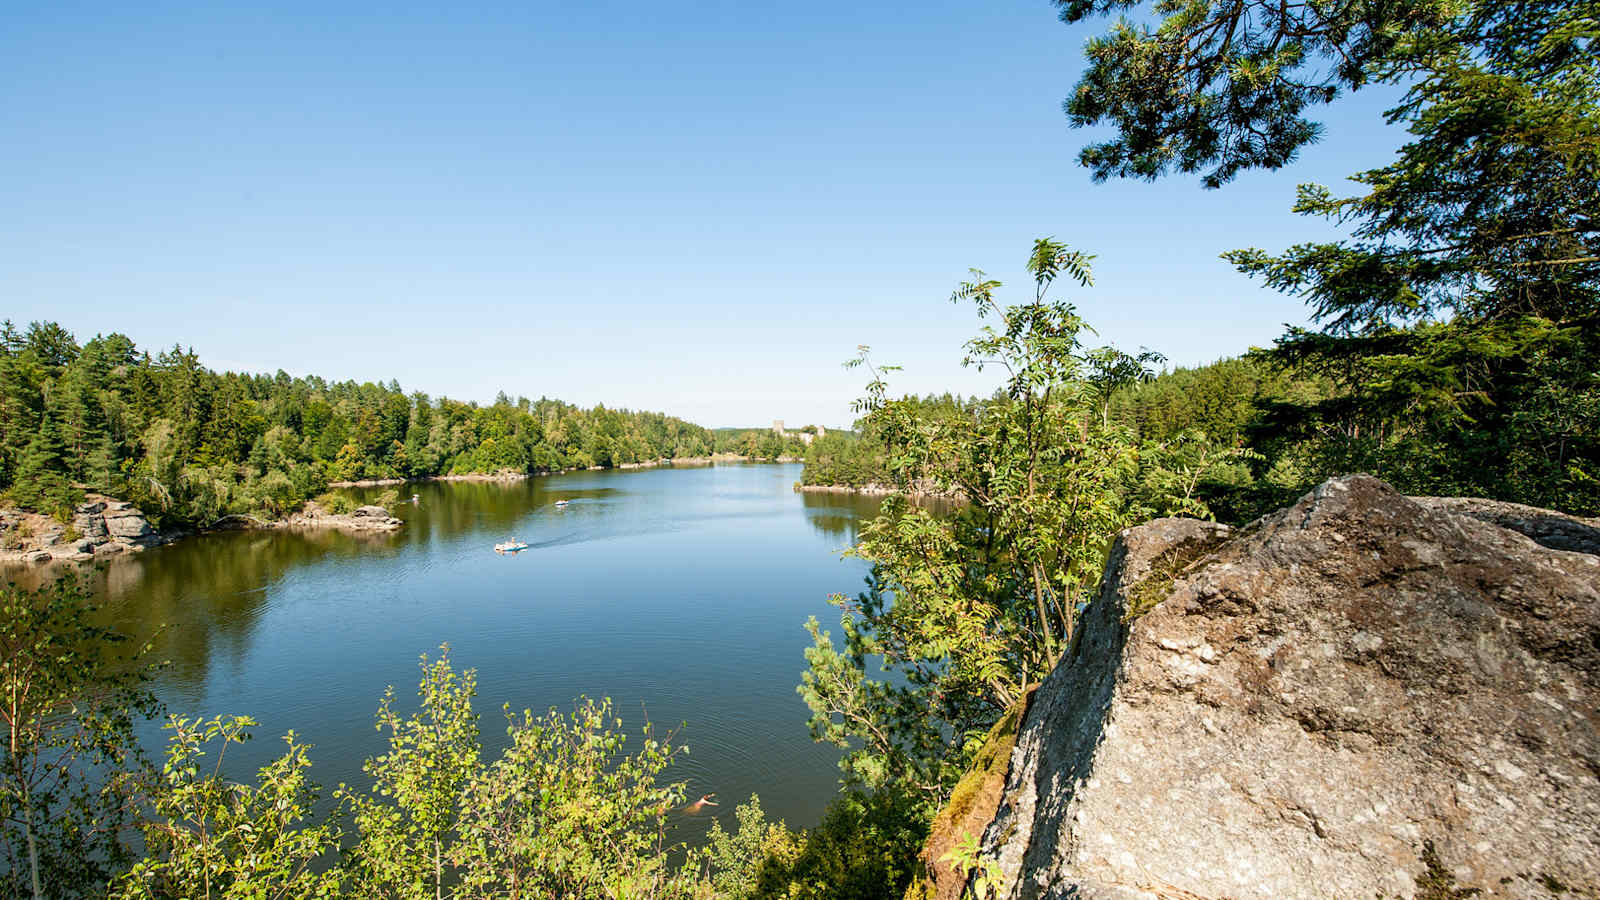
column 678, row 593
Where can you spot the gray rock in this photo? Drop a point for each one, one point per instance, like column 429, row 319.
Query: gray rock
column 1314, row 701
column 1557, row 531
column 37, row 556
column 127, row 523
column 90, row 526
column 375, row 512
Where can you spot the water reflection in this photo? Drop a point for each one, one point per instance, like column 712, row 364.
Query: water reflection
column 304, row 630
column 840, row 516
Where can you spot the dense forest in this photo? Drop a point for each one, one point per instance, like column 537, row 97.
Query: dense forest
column 188, row 444
column 759, row 443
column 1528, row 431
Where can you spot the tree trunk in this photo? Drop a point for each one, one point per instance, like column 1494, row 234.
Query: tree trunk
column 33, row 850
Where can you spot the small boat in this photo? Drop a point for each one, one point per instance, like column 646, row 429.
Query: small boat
column 562, row 504
column 511, row 546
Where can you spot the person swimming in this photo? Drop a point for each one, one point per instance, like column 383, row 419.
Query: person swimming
column 700, row 805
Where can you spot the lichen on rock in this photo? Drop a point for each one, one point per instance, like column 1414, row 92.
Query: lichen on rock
column 1316, row 703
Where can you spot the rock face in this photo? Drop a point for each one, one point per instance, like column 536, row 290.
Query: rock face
column 363, row 519
column 102, row 526
column 1363, row 695
column 125, row 522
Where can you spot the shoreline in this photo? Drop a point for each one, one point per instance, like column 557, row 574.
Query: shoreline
column 513, row 476
column 105, row 527
column 879, row 490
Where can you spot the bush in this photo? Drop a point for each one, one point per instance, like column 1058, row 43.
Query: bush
column 336, row 503
column 865, row 848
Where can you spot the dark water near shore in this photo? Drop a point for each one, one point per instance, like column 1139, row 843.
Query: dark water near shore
column 679, row 593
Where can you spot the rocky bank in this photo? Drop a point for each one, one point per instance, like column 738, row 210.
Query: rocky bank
column 1364, row 695
column 101, row 526
column 364, row 519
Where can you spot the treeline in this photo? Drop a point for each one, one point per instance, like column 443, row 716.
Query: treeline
column 857, row 458
column 1527, row 433
column 1533, row 436
column 846, row 460
column 759, row 443
column 188, row 444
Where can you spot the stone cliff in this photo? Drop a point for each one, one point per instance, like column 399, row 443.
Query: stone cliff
column 1364, row 695
column 100, row 526
column 103, row 526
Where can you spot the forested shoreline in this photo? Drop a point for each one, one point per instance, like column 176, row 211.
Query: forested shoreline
column 189, row 445
column 1455, row 351
column 1249, row 434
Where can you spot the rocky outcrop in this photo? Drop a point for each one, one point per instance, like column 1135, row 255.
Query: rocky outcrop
column 1364, row 695
column 124, row 521
column 362, row 519
column 100, row 527
column 922, row 489
column 103, row 527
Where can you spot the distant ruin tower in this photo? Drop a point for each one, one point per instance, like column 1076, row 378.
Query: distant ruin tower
column 777, row 427
column 821, row 432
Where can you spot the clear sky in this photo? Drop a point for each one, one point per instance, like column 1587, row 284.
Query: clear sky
column 700, row 208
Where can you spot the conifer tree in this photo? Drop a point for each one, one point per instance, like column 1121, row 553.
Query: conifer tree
column 1462, row 316
column 42, row 473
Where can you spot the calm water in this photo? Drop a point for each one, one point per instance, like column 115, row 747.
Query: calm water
column 679, row 593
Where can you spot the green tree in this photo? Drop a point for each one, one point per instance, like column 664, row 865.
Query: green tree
column 566, row 812
column 42, row 481
column 734, row 861
column 968, row 609
column 1221, row 86
column 865, row 848
column 70, row 693
column 1466, row 300
column 21, row 400
column 408, row 821
column 210, row 837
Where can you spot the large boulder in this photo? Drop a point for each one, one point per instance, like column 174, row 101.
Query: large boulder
column 374, row 512
column 90, row 523
column 1360, row 696
column 125, row 522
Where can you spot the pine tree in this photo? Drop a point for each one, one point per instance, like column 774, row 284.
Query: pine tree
column 20, row 401
column 1462, row 316
column 42, row 473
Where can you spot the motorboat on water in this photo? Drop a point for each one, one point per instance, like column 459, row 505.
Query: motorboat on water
column 562, row 504
column 511, row 546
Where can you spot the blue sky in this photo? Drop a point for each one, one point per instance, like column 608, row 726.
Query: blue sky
column 699, row 208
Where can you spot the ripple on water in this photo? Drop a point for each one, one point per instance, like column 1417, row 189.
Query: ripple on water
column 678, row 593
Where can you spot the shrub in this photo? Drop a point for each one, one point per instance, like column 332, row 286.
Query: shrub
column 336, row 503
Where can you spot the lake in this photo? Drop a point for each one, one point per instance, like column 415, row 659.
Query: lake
column 679, row 593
